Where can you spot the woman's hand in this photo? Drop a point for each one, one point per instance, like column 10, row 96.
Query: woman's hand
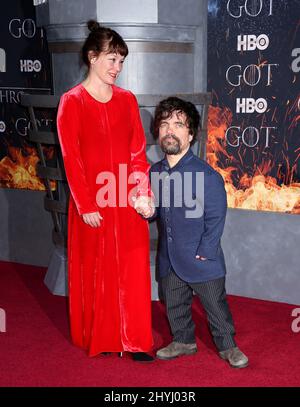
column 144, row 206
column 92, row 219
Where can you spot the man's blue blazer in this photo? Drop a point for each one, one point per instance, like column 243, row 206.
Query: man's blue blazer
column 184, row 230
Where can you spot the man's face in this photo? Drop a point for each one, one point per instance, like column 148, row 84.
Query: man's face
column 174, row 134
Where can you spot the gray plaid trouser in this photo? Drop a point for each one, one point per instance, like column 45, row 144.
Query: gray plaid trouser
column 178, row 296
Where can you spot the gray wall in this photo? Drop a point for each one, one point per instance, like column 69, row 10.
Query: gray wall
column 262, row 255
column 25, row 227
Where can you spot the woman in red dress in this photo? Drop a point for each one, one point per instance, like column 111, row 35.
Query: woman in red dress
column 103, row 146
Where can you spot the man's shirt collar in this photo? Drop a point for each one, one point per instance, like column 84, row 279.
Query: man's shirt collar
column 183, row 160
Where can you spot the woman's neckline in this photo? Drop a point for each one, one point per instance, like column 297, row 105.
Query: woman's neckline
column 96, row 100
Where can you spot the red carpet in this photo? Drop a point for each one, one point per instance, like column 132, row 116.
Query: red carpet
column 35, row 349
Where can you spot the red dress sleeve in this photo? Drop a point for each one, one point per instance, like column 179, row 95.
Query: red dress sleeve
column 68, row 126
column 139, row 166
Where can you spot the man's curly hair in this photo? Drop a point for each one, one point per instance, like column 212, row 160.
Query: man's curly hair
column 172, row 104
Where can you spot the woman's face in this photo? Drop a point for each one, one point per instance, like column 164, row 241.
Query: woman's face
column 107, row 67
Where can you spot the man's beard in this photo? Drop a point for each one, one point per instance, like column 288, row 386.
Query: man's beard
column 170, row 147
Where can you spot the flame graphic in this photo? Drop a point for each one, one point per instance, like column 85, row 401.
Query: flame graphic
column 257, row 192
column 18, row 169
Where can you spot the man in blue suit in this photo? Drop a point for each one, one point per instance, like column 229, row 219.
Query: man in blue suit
column 191, row 209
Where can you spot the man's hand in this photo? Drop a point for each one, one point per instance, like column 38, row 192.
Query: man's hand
column 92, row 219
column 144, row 205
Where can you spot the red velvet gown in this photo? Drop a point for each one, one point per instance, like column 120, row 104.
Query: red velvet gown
column 109, row 267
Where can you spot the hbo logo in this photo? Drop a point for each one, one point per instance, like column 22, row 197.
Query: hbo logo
column 251, row 42
column 27, row 65
column 250, row 105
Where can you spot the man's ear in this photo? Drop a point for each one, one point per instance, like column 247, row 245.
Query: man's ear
column 190, row 137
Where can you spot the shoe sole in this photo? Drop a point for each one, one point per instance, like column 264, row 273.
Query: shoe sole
column 239, row 367
column 177, row 356
column 236, row 367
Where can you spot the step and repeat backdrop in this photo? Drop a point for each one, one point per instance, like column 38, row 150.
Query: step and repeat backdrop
column 24, row 67
column 253, row 125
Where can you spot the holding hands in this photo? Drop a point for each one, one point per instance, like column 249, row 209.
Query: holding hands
column 144, row 205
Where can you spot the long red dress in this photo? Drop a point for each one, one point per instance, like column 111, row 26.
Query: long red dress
column 109, row 268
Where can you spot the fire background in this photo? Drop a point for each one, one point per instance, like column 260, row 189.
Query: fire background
column 239, row 50
column 25, row 67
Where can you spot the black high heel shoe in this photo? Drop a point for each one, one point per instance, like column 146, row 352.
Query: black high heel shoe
column 139, row 356
column 142, row 357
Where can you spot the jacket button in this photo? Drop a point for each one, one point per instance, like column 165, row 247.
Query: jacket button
column 170, row 239
column 168, row 229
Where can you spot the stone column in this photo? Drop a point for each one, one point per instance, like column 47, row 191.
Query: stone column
column 166, row 40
